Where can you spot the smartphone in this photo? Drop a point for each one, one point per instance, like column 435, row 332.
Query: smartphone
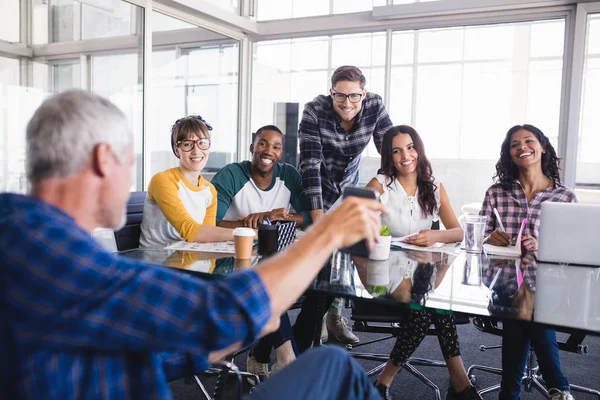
column 359, row 249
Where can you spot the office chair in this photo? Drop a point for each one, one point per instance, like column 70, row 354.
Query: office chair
column 230, row 384
column 128, row 237
column 531, row 377
column 386, row 319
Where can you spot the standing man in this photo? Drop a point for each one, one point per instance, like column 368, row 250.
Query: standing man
column 333, row 133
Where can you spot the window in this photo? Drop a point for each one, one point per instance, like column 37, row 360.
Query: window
column 349, row 6
column 287, row 71
column 298, row 70
column 588, row 160
column 229, row 5
column 119, row 78
column 70, row 20
column 463, row 88
column 412, row 1
column 10, row 23
column 117, row 75
column 285, row 9
column 11, row 146
column 198, row 72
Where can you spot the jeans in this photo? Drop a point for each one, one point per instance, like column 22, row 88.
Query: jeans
column 321, row 373
column 262, row 349
column 517, row 336
column 308, row 320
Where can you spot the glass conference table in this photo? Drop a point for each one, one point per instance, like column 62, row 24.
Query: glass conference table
column 559, row 295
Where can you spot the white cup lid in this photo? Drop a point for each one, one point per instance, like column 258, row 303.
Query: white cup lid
column 243, row 232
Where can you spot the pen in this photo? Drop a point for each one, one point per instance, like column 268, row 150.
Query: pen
column 499, row 220
column 268, row 221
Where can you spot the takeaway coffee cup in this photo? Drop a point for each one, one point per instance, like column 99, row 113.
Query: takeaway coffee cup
column 243, row 238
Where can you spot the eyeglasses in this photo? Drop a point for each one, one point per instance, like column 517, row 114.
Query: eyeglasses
column 188, row 145
column 341, row 97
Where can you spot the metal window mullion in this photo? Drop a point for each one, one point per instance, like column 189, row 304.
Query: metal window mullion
column 461, row 100
column 244, row 98
column 387, row 85
column 573, row 76
column 147, row 93
column 413, row 111
column 84, row 75
column 520, row 62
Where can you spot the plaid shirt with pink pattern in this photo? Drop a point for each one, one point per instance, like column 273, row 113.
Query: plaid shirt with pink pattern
column 513, row 207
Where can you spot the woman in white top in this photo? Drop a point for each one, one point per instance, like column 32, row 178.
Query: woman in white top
column 415, row 200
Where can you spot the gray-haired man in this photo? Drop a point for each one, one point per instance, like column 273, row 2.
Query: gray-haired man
column 81, row 323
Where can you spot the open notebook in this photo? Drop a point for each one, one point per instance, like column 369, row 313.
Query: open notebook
column 509, row 251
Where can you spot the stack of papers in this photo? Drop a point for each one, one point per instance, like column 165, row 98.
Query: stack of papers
column 435, row 248
column 215, row 247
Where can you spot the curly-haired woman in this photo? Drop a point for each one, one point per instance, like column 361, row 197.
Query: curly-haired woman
column 527, row 174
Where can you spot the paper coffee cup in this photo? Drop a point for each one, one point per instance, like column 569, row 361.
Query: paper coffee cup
column 243, row 238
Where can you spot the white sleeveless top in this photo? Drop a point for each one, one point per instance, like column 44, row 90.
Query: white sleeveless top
column 405, row 215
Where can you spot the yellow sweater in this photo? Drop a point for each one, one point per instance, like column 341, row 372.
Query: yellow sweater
column 174, row 210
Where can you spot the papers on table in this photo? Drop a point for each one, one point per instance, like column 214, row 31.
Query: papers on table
column 215, row 247
column 399, row 239
column 435, row 248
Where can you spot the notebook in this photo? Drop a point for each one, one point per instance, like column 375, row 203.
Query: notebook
column 507, row 251
column 569, row 233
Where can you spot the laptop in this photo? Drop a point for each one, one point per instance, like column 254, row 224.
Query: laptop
column 569, row 233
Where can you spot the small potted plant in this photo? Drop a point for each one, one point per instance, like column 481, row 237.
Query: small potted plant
column 377, row 290
column 381, row 250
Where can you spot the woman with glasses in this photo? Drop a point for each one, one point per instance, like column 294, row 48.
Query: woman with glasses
column 415, row 200
column 527, row 174
column 181, row 204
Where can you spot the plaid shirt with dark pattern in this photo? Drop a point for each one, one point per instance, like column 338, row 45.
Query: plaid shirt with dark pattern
column 513, row 207
column 329, row 157
column 81, row 323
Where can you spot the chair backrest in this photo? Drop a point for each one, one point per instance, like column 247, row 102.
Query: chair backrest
column 106, row 237
column 129, row 236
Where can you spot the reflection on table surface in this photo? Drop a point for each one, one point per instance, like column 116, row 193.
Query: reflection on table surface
column 199, row 263
column 476, row 284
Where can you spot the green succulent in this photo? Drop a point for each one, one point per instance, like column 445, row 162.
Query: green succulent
column 385, row 231
column 378, row 290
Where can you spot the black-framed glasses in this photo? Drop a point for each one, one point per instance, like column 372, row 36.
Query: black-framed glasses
column 341, row 97
column 188, row 145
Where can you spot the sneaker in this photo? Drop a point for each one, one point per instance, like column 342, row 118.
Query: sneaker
column 384, row 391
column 257, row 368
column 556, row 394
column 469, row 393
column 324, row 333
column 337, row 326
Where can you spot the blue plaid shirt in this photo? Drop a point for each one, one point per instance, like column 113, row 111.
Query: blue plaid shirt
column 329, row 157
column 81, row 323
